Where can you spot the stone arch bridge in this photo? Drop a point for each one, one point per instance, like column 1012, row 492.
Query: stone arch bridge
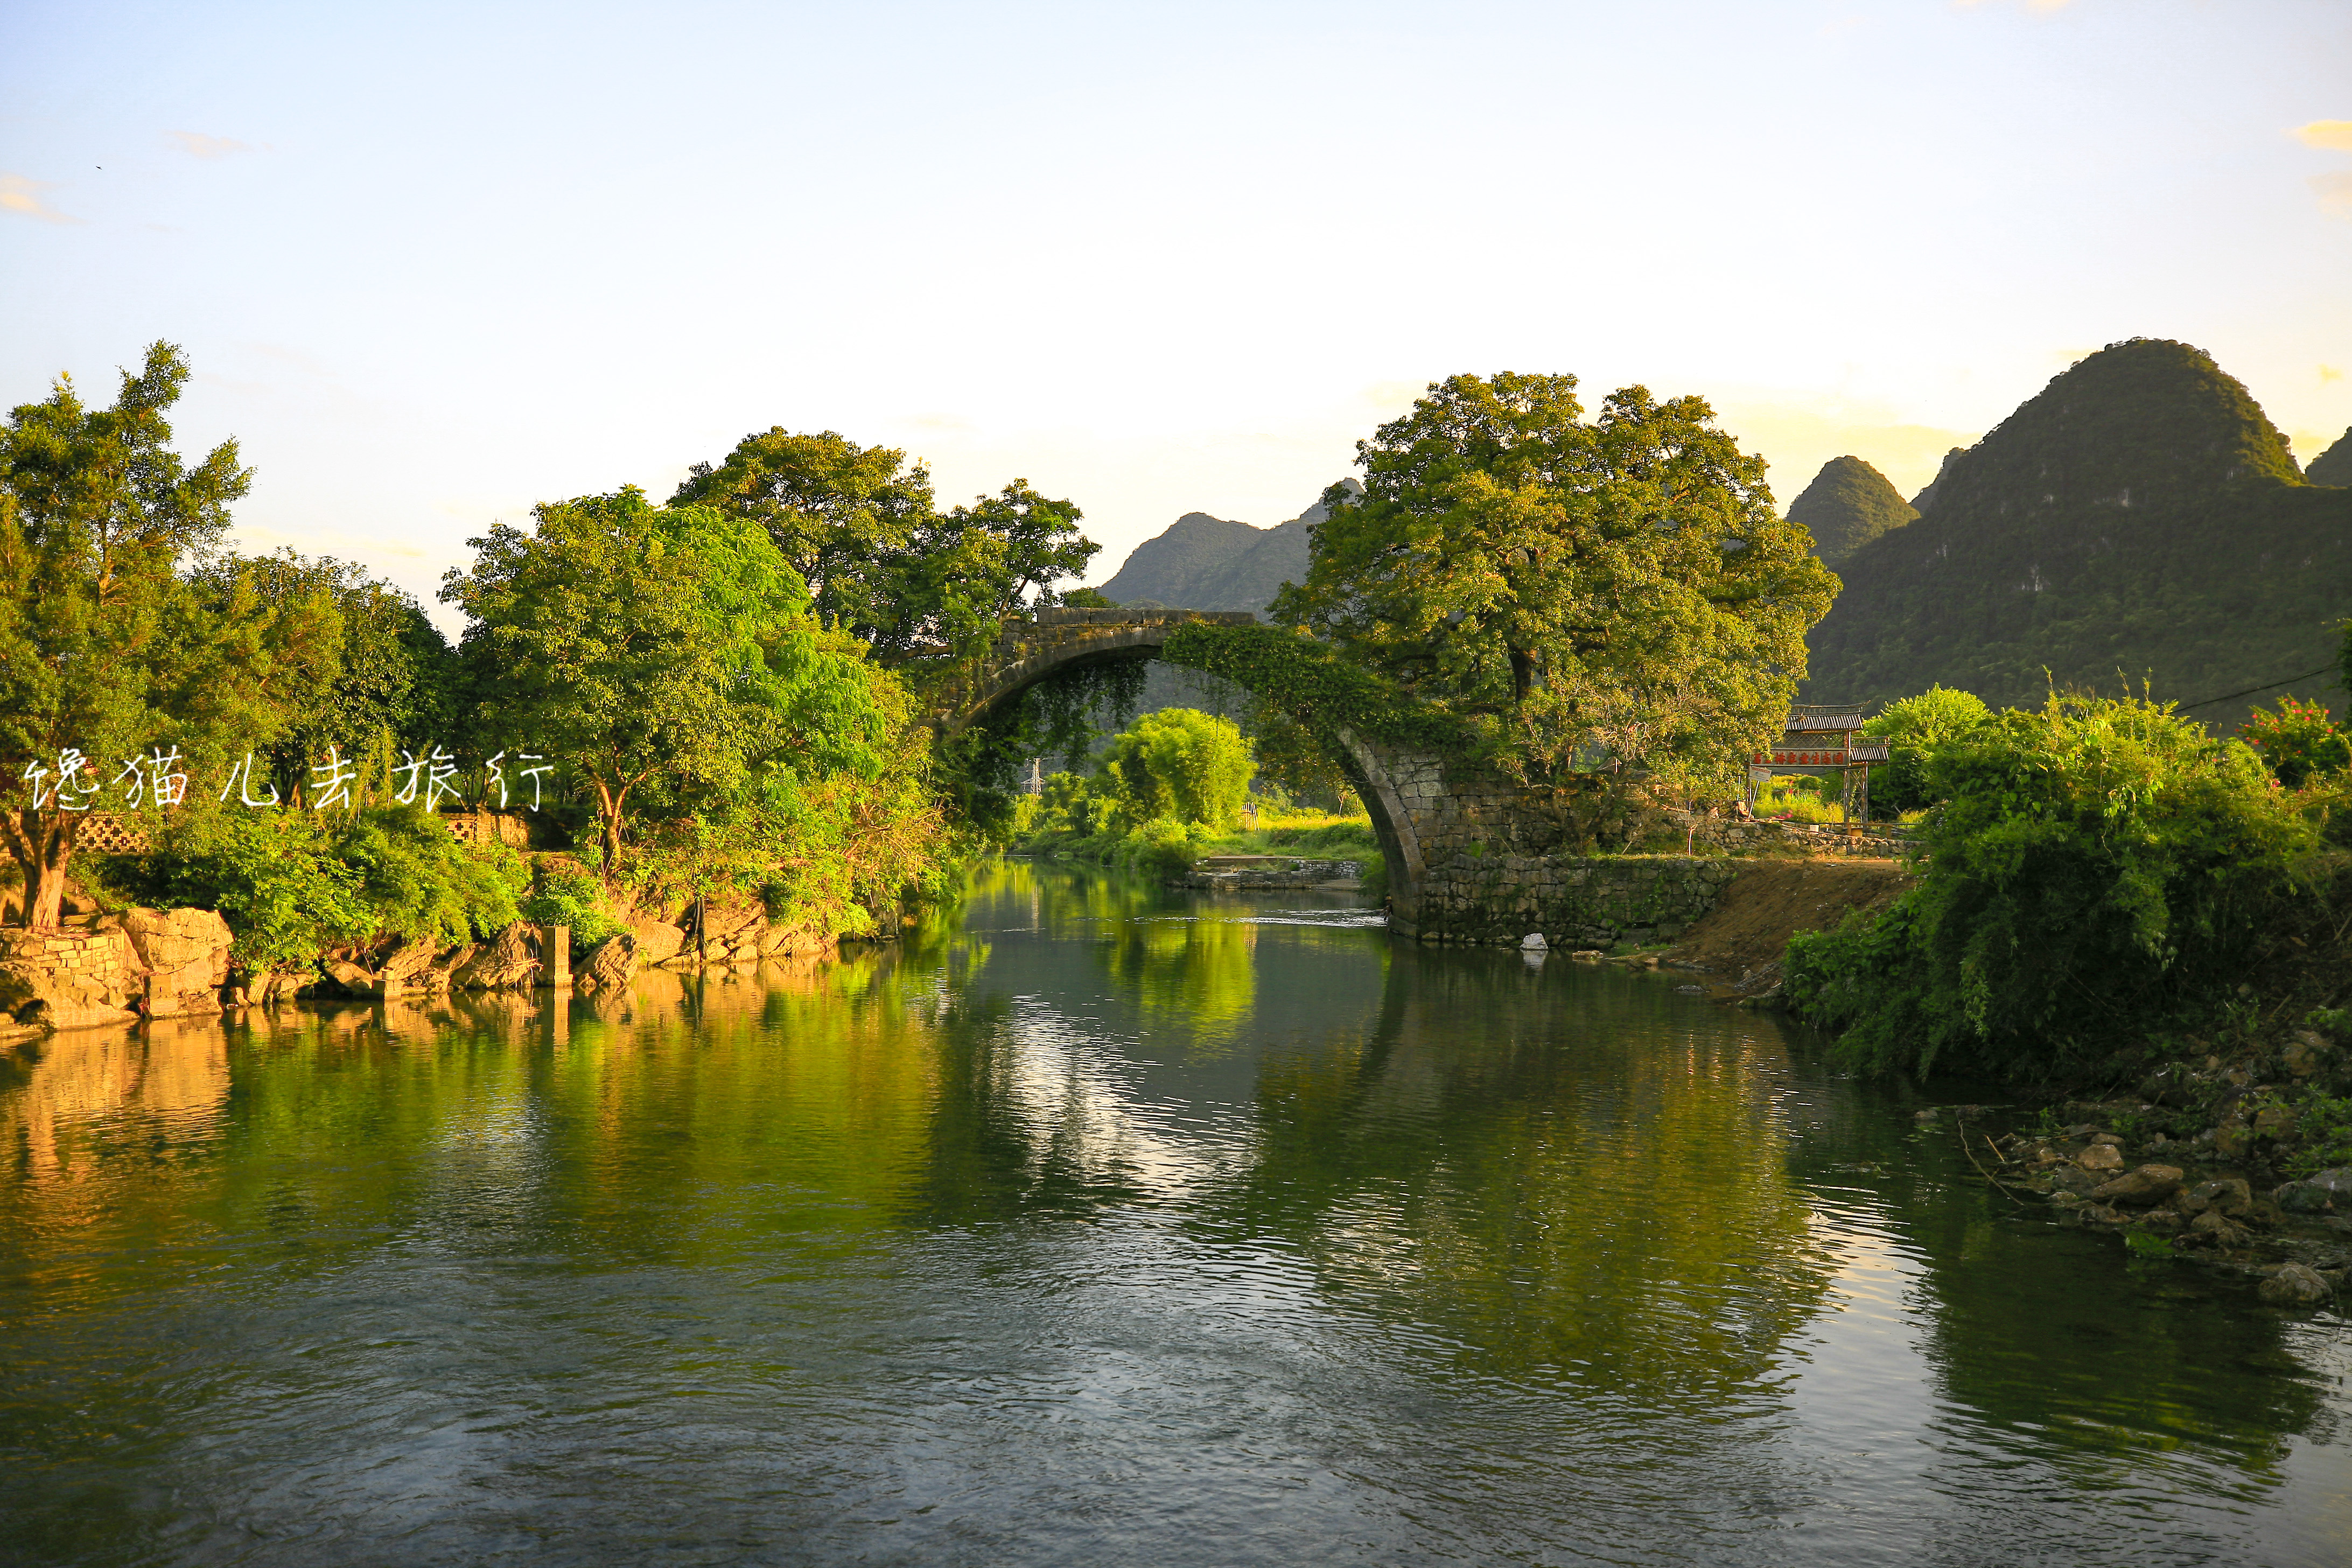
column 1471, row 858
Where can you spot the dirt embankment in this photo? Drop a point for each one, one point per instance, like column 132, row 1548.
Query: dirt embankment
column 1738, row 945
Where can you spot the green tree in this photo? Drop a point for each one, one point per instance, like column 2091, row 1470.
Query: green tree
column 1915, row 728
column 392, row 682
column 1617, row 588
column 863, row 530
column 664, row 650
column 1181, row 765
column 108, row 652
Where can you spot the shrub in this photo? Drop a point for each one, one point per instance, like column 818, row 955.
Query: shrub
column 2300, row 741
column 420, row 883
column 566, row 894
column 291, row 886
column 2102, row 863
column 1915, row 729
column 273, row 876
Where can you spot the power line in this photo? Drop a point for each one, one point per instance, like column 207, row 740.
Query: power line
column 2249, row 692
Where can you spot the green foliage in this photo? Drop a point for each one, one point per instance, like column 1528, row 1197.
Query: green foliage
column 1179, row 765
column 2139, row 520
column 562, row 893
column 667, row 654
column 272, row 878
column 1319, row 688
column 862, row 531
column 2326, row 1128
column 2102, row 867
column 391, row 680
column 419, row 882
column 2300, row 741
column 1848, row 504
column 290, row 885
column 1618, row 588
column 1059, row 716
column 1916, row 728
column 106, row 647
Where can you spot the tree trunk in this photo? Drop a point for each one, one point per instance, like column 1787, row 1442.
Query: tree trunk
column 42, row 843
column 612, row 801
column 1523, row 674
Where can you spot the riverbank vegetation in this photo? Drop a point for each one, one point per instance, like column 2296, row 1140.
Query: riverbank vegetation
column 2108, row 892
column 714, row 699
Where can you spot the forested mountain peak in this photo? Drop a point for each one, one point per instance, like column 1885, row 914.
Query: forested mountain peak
column 2333, row 466
column 2136, row 421
column 1848, row 504
column 2140, row 518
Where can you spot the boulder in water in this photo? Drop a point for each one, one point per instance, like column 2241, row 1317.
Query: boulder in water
column 608, row 966
column 2296, row 1285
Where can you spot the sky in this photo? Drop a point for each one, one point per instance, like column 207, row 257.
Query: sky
column 434, row 263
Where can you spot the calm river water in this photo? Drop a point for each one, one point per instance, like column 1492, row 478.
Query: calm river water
column 1101, row 1226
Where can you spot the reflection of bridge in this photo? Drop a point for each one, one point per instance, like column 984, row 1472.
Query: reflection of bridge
column 1471, row 857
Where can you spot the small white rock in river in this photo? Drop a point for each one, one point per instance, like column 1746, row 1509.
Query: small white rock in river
column 1533, row 942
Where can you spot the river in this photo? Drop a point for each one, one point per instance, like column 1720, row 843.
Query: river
column 1094, row 1225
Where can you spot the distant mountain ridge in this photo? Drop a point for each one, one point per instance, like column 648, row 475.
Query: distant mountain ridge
column 1203, row 562
column 2140, row 518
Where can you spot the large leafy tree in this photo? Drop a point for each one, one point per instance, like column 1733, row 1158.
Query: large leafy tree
column 862, row 529
column 108, row 652
column 393, row 683
column 669, row 653
column 1618, row 589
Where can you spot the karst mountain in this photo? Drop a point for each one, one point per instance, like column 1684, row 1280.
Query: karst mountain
column 2139, row 521
column 1204, row 562
column 1849, row 504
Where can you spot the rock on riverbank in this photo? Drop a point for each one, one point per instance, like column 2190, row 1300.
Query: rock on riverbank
column 2296, row 1237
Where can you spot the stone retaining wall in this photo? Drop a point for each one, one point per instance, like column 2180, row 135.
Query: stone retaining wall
column 68, row 978
column 1574, row 900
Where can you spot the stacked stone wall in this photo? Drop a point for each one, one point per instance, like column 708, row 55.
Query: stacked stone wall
column 1573, row 900
column 67, row 978
column 1476, row 859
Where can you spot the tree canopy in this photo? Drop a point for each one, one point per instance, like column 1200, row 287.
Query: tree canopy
column 862, row 529
column 109, row 653
column 1617, row 589
column 1181, row 763
column 663, row 651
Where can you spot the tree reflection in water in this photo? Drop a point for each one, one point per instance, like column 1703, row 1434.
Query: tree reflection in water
column 1468, row 1218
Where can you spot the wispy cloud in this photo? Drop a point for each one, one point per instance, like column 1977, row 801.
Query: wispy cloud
column 2334, row 191
column 196, row 145
column 23, row 195
column 2029, row 4
column 2335, row 135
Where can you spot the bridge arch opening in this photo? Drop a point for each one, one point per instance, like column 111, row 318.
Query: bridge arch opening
column 1050, row 642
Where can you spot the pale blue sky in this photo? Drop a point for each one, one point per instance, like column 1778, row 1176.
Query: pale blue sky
column 434, row 263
